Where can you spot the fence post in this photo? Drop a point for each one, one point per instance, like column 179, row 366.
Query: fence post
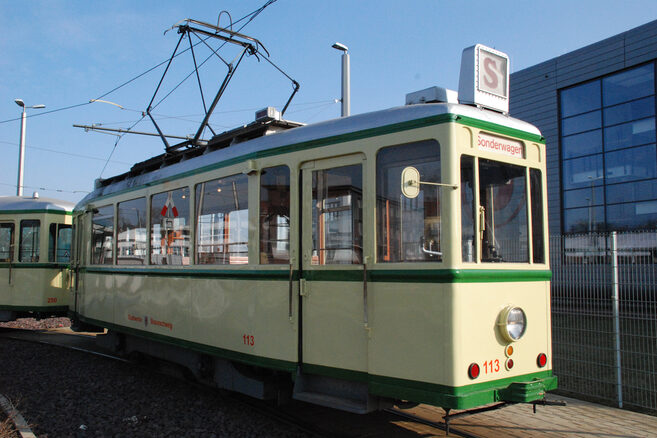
column 615, row 297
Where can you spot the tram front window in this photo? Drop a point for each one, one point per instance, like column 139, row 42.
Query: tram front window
column 503, row 212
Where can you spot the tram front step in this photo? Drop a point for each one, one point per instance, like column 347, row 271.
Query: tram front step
column 331, row 401
column 337, row 393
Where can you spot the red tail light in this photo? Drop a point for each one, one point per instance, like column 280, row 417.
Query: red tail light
column 473, row 371
column 509, row 364
column 541, row 360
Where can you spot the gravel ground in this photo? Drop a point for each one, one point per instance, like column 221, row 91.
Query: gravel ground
column 63, row 393
column 34, row 324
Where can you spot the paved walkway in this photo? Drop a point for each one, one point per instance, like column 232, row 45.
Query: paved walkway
column 577, row 419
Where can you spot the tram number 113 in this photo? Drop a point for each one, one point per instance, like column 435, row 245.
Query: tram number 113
column 248, row 340
column 492, row 366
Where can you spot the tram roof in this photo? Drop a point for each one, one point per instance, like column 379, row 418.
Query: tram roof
column 299, row 136
column 29, row 204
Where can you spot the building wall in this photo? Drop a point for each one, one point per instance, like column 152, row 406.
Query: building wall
column 534, row 92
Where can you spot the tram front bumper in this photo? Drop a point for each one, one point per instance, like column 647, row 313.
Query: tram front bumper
column 526, row 392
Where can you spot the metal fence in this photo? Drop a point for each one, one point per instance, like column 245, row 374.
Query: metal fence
column 604, row 317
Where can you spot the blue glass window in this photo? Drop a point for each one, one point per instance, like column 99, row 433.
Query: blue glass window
column 637, row 109
column 628, row 85
column 579, row 172
column 586, row 143
column 630, row 134
column 631, row 164
column 632, row 215
column 584, row 197
column 581, row 123
column 583, row 220
column 610, row 123
column 580, row 99
column 633, row 191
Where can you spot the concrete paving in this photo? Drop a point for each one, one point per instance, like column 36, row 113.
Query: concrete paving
column 577, row 419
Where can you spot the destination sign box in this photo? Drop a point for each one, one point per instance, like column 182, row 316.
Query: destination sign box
column 500, row 145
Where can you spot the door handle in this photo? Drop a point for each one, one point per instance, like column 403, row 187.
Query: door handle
column 303, row 288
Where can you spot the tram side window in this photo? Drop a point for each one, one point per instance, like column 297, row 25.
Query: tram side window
column 468, row 241
column 503, row 210
column 59, row 243
column 131, row 236
column 222, row 222
column 170, row 244
column 28, row 249
column 102, row 238
column 6, row 242
column 337, row 216
column 275, row 215
column 408, row 230
column 538, row 244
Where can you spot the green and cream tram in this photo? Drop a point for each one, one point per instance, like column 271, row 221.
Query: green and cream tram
column 35, row 246
column 394, row 255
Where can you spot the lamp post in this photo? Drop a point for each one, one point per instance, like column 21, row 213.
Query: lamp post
column 21, row 153
column 346, row 80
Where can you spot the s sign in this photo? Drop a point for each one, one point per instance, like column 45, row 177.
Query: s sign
column 484, row 79
column 492, row 73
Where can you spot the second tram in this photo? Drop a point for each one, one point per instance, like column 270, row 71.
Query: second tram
column 35, row 248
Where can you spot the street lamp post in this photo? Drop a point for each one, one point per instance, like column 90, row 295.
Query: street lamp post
column 21, row 153
column 346, row 79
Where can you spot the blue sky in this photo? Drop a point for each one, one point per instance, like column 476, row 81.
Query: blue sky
column 64, row 53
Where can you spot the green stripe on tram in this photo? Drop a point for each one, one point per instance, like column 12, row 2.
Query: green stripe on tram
column 33, row 265
column 499, row 129
column 349, row 275
column 59, row 212
column 455, row 397
column 232, row 274
column 462, row 397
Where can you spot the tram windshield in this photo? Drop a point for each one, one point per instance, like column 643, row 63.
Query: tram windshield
column 503, row 212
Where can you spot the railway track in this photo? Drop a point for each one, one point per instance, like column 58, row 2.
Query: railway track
column 310, row 420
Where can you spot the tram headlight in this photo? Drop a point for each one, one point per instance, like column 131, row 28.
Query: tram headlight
column 512, row 323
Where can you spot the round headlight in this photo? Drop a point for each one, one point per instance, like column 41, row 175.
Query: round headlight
column 512, row 323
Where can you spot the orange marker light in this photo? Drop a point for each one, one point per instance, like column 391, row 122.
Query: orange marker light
column 509, row 350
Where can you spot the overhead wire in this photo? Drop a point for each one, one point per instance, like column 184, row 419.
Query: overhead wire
column 54, row 151
column 251, row 16
column 42, row 113
column 47, row 189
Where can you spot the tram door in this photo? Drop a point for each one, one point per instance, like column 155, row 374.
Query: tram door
column 333, row 338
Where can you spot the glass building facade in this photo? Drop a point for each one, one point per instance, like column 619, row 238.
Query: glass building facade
column 608, row 157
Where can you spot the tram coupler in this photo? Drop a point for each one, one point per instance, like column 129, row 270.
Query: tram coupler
column 544, row 402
